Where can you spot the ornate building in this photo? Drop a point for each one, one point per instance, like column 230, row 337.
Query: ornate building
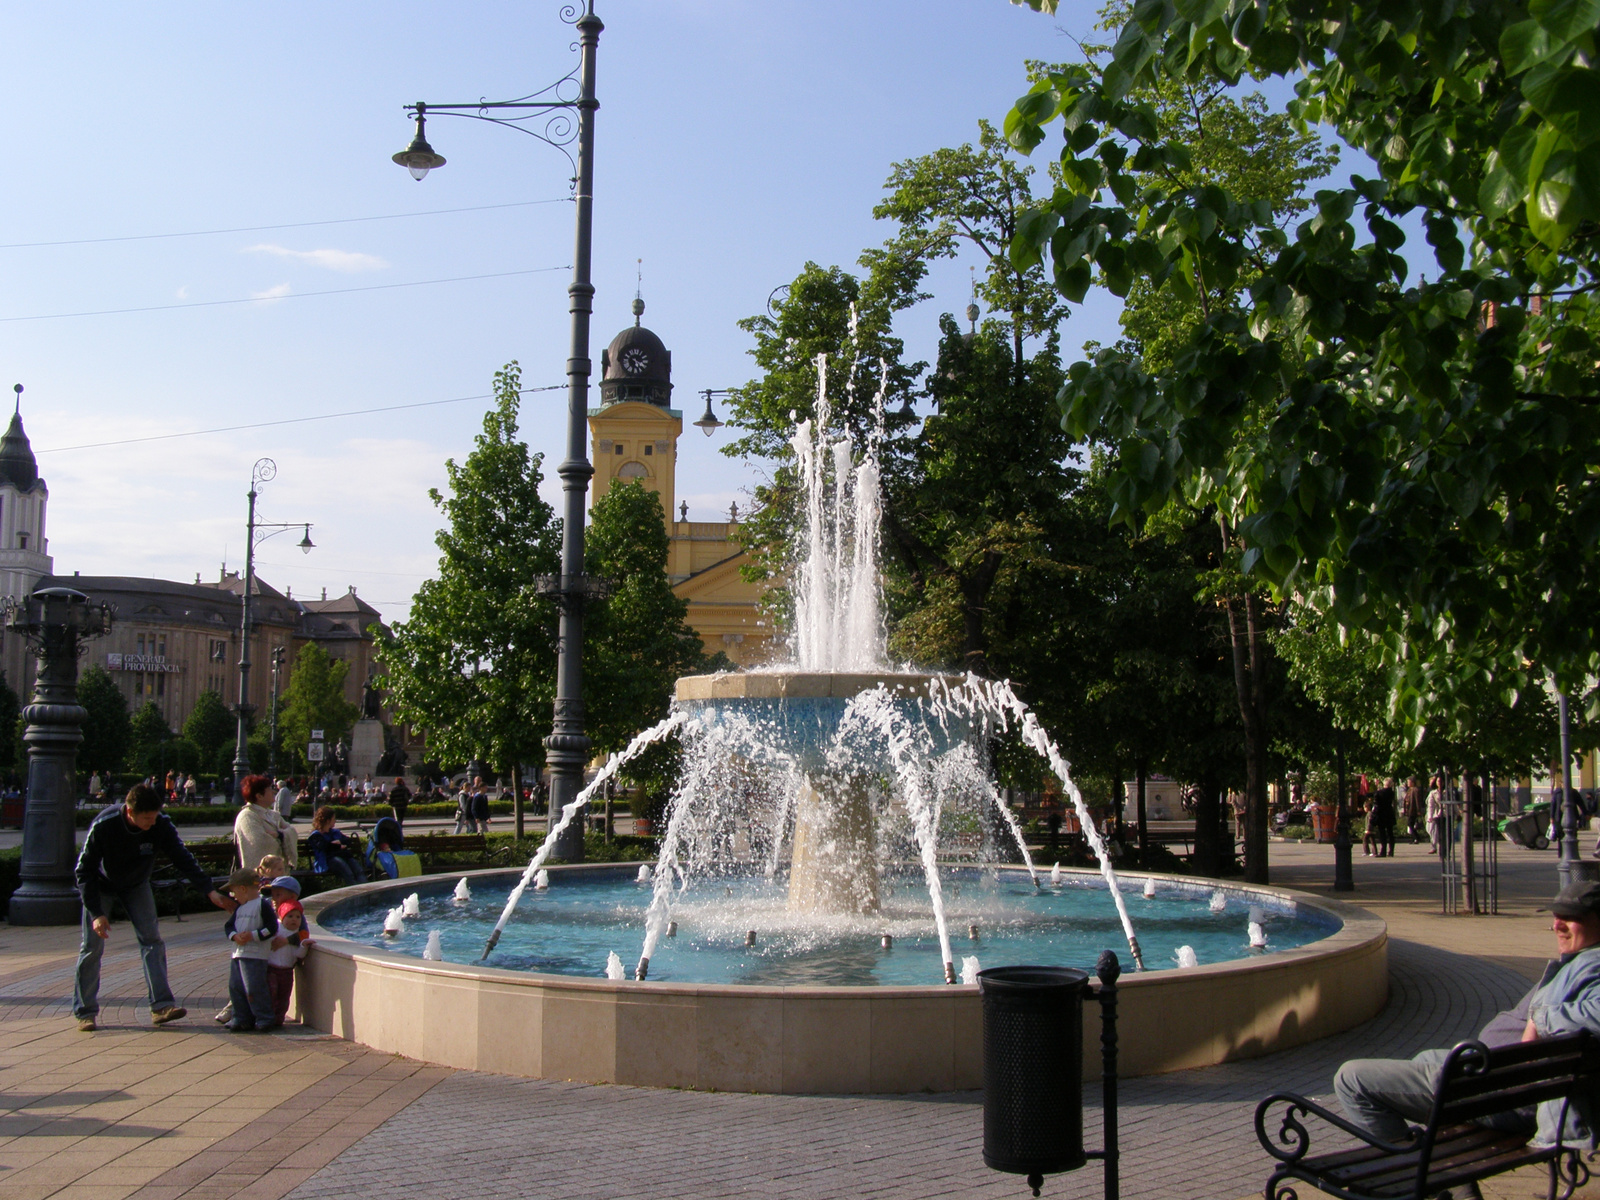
column 634, row 435
column 171, row 641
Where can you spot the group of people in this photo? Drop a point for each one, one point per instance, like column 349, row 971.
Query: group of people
column 265, row 925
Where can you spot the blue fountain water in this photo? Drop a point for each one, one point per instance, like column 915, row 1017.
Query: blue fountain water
column 570, row 929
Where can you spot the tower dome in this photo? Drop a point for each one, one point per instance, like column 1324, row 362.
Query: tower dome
column 636, row 366
column 18, row 466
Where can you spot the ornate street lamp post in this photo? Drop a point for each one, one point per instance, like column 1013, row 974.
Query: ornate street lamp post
column 264, row 471
column 56, row 622
column 567, row 747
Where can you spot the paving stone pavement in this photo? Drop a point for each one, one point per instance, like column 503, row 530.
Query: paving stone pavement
column 1188, row 1134
column 192, row 1110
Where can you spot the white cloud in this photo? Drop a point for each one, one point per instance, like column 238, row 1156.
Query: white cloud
column 345, row 261
column 276, row 292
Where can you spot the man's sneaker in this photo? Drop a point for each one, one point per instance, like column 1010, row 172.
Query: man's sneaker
column 162, row 1015
column 225, row 1016
column 86, row 1025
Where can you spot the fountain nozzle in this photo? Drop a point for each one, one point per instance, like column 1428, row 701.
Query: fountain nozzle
column 489, row 949
column 888, row 942
column 949, row 972
column 972, row 932
column 672, row 931
column 642, row 970
column 750, row 938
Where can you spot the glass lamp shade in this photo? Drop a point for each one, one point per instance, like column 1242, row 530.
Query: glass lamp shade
column 708, row 424
column 306, row 544
column 418, row 157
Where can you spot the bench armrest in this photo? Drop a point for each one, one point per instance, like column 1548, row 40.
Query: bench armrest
column 1293, row 1134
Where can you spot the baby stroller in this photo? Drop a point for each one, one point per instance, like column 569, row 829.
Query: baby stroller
column 395, row 862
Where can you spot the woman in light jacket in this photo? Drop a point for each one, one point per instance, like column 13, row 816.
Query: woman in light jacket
column 259, row 830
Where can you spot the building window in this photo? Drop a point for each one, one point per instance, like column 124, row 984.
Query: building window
column 140, row 642
column 161, row 683
column 632, row 470
column 616, row 448
column 649, row 449
column 161, row 646
column 22, row 541
column 219, row 650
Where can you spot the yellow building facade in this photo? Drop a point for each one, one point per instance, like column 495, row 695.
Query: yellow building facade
column 634, row 436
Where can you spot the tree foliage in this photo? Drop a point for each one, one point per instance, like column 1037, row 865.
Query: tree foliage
column 210, row 726
column 147, row 730
column 107, row 730
column 314, row 699
column 636, row 643
column 474, row 666
column 1421, row 458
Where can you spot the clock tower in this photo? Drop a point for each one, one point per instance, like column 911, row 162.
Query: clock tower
column 634, row 436
column 635, row 432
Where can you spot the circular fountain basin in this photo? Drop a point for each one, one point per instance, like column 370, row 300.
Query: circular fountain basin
column 788, row 1030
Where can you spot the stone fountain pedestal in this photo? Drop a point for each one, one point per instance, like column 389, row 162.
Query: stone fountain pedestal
column 833, row 863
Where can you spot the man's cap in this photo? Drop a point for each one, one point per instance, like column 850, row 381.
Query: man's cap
column 244, row 877
column 1578, row 899
column 287, row 882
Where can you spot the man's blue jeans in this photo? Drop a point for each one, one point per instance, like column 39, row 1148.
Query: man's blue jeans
column 140, row 902
column 1380, row 1095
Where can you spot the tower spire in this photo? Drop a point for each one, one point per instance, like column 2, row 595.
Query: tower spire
column 638, row 293
column 18, row 390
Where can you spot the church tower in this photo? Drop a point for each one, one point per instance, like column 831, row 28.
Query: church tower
column 635, row 432
column 24, row 550
column 634, row 435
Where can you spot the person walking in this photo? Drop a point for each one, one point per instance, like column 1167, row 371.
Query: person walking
column 284, row 802
column 1435, row 815
column 117, row 858
column 399, row 800
column 1383, row 805
column 259, row 830
column 464, row 819
column 480, row 806
column 1413, row 810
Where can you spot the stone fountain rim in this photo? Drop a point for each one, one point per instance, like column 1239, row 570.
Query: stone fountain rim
column 1359, row 931
column 795, row 684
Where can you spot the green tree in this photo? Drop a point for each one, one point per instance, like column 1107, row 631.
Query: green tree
column 636, row 643
column 314, row 699
column 1420, row 459
column 474, row 666
column 147, row 730
column 10, row 712
column 210, row 726
column 107, row 732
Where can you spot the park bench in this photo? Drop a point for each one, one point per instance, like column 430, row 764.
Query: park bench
column 1452, row 1149
column 218, row 859
column 430, row 845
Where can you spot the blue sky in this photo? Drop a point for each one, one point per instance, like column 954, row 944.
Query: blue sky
column 736, row 140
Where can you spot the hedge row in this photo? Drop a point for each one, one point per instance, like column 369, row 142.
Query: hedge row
column 224, row 814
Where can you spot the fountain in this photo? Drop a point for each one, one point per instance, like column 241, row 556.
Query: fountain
column 834, row 817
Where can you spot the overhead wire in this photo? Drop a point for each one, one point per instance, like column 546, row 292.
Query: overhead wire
column 267, row 299
column 147, row 237
column 355, row 412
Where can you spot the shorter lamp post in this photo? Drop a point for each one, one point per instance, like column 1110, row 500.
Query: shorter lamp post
column 264, row 471
column 56, row 622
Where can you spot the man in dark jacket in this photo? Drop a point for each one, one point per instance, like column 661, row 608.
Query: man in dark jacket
column 399, row 800
column 117, row 858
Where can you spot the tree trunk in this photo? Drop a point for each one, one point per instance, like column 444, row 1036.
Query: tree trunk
column 1144, row 833
column 1249, row 678
column 975, row 590
column 1208, row 858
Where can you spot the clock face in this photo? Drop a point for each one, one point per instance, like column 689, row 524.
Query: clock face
column 635, row 361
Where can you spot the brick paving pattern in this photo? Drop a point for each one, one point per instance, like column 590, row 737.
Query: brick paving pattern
column 192, row 1110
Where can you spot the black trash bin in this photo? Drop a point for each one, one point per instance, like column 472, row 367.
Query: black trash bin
column 1033, row 1069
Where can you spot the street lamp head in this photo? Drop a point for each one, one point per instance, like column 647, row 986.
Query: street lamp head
column 306, row 544
column 708, row 424
column 418, row 157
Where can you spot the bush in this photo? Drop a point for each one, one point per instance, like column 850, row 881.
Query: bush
column 10, row 875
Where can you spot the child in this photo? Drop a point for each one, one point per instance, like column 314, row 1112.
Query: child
column 251, row 928
column 271, row 866
column 288, row 948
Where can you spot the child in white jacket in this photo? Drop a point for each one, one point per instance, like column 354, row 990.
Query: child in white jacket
column 288, row 949
column 251, row 928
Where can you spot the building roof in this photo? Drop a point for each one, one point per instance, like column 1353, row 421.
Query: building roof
column 165, row 601
column 636, row 366
column 18, row 466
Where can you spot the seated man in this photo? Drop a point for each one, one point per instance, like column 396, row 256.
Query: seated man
column 1381, row 1094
